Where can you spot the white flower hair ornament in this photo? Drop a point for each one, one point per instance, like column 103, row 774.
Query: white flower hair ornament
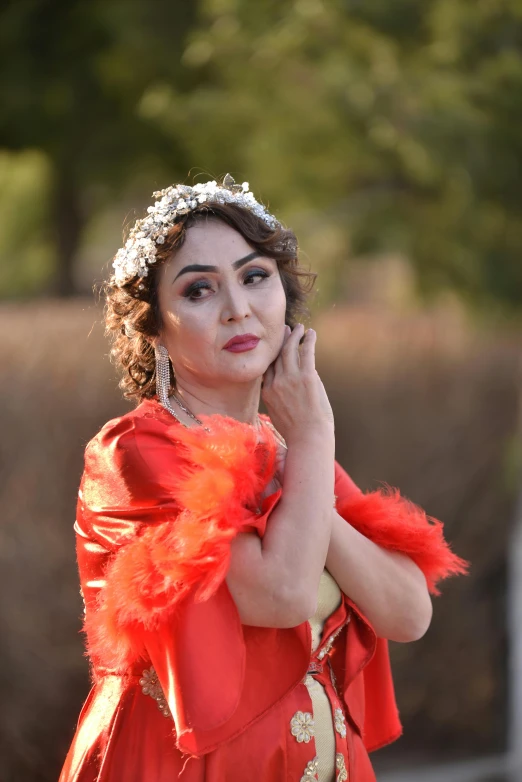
column 133, row 260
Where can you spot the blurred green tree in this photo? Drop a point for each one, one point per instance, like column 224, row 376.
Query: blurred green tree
column 370, row 126
column 395, row 123
column 72, row 75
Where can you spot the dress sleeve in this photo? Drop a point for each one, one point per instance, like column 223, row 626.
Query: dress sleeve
column 164, row 507
column 220, row 676
column 367, row 683
column 396, row 523
column 393, row 522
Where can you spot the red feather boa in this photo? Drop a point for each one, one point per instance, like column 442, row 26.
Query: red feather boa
column 396, row 523
column 217, row 483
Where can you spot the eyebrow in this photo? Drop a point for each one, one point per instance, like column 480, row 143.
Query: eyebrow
column 204, row 267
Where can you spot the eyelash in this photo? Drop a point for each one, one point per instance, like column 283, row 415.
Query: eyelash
column 202, row 284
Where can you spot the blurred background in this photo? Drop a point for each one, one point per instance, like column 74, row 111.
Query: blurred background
column 387, row 134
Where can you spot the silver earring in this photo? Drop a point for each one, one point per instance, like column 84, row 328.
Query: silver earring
column 162, row 375
column 163, row 385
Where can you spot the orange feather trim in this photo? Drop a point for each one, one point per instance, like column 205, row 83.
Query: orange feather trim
column 396, row 523
column 217, row 485
column 216, row 488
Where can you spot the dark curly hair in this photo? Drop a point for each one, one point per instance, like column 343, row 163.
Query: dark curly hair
column 132, row 314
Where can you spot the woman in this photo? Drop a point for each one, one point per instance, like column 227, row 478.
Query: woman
column 239, row 588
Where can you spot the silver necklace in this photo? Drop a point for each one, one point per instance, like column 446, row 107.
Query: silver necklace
column 169, row 407
column 187, row 411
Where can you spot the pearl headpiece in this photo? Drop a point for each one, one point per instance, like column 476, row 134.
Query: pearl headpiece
column 139, row 252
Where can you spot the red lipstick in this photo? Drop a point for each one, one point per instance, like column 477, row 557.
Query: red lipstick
column 241, row 343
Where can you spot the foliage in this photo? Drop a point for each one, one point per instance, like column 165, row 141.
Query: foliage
column 71, row 77
column 398, row 121
column 375, row 126
column 26, row 249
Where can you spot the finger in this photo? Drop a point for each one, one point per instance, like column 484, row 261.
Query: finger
column 288, row 360
column 286, row 334
column 308, row 351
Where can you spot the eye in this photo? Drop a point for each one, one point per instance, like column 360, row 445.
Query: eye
column 256, row 273
column 192, row 291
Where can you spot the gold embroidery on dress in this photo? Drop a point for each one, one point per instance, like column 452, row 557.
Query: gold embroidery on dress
column 150, row 686
column 302, row 726
column 340, row 725
column 342, row 776
column 327, row 648
column 310, row 772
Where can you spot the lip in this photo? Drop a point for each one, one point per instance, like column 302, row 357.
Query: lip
column 242, row 342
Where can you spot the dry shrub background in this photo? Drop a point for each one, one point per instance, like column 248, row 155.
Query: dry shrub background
column 423, row 402
column 428, row 404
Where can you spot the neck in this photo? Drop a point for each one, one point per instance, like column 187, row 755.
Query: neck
column 239, row 401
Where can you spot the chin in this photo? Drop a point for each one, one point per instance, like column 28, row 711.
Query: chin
column 246, row 374
column 244, row 377
column 248, row 367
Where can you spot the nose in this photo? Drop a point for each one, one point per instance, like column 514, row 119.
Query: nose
column 236, row 305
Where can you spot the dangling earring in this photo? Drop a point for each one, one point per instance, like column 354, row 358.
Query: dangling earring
column 163, row 376
column 163, row 385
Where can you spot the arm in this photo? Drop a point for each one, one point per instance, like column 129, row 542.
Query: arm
column 387, row 586
column 274, row 581
column 388, row 555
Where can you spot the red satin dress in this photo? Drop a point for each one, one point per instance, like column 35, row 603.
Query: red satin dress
column 180, row 688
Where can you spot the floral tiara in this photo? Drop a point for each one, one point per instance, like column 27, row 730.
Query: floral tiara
column 140, row 249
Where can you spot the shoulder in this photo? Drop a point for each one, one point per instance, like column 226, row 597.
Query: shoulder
column 147, row 418
column 131, row 440
column 131, row 466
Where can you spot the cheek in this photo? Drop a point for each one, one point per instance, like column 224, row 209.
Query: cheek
column 275, row 308
column 189, row 330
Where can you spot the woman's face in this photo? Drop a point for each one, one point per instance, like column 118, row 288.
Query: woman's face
column 233, row 293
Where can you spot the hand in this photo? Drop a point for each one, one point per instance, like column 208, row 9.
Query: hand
column 293, row 392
